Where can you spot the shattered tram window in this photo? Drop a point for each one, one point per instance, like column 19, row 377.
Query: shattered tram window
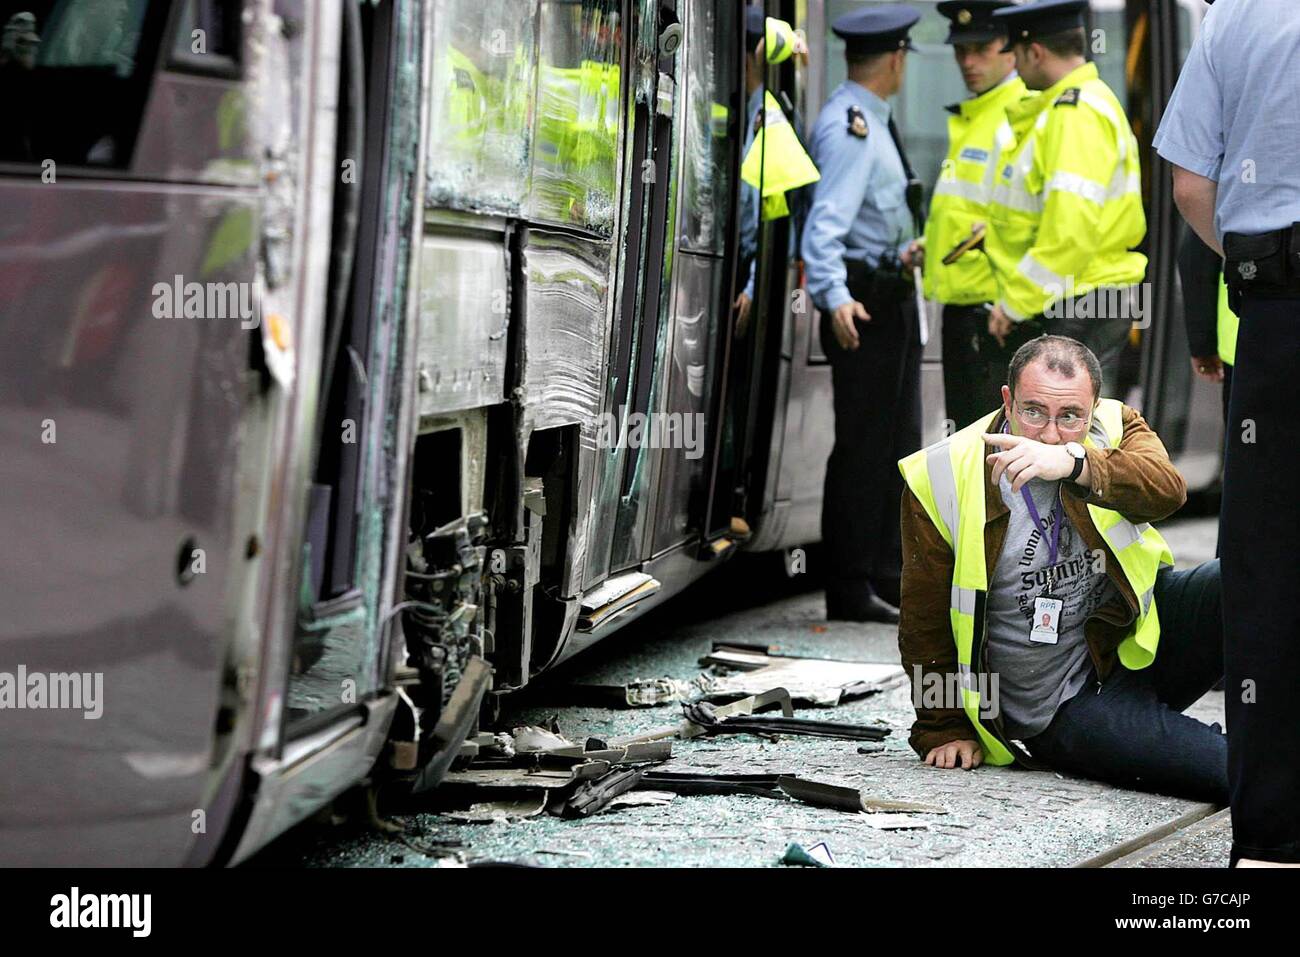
column 575, row 137
column 481, row 102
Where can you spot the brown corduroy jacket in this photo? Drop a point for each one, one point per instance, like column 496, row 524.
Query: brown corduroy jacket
column 1135, row 479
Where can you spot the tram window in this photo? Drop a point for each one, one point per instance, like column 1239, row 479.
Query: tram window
column 76, row 76
column 1108, row 46
column 575, row 130
column 711, row 74
column 481, row 102
column 207, row 38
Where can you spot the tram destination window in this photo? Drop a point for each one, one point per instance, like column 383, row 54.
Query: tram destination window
column 75, row 77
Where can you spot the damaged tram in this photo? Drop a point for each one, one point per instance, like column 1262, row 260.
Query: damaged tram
column 364, row 360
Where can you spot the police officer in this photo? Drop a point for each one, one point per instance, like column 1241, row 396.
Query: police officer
column 859, row 239
column 1066, row 213
column 1230, row 132
column 958, row 273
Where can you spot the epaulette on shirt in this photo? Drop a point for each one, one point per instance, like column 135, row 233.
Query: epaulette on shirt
column 857, row 123
column 1069, row 98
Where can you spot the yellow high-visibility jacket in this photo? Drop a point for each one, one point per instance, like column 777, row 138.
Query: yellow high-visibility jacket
column 1067, row 208
column 978, row 132
column 1226, row 327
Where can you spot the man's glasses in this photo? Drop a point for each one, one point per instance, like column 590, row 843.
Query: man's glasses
column 1065, row 422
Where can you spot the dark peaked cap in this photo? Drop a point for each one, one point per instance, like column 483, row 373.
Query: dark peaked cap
column 880, row 29
column 1042, row 18
column 971, row 21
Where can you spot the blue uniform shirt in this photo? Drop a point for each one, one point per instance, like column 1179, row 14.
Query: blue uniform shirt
column 1238, row 122
column 860, row 204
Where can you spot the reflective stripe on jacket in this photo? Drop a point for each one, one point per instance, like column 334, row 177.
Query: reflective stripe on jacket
column 978, row 132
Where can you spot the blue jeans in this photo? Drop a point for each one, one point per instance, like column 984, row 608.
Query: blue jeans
column 1131, row 731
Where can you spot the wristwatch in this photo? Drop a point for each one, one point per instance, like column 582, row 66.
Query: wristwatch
column 1076, row 450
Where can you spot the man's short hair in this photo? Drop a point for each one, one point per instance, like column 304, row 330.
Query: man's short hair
column 1068, row 43
column 856, row 57
column 1062, row 354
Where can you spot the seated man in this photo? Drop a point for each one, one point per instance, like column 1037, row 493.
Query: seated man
column 1035, row 596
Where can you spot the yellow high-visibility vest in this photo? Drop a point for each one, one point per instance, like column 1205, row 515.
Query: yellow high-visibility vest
column 1226, row 326
column 978, row 132
column 948, row 479
column 1066, row 211
column 776, row 161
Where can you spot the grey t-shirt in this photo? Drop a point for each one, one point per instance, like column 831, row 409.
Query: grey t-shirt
column 1035, row 677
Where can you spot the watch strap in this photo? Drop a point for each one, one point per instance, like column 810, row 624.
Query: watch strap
column 1078, row 465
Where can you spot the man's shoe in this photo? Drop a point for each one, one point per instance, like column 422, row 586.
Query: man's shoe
column 871, row 608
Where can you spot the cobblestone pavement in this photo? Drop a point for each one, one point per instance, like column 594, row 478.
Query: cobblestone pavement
column 995, row 816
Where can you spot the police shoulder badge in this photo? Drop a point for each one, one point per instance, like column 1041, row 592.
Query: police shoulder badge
column 857, row 123
column 1069, row 98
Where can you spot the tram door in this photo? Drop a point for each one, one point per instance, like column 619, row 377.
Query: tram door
column 669, row 317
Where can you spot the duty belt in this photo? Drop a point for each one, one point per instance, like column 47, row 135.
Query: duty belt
column 1264, row 265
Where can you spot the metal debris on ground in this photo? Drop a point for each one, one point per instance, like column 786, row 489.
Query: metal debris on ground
column 702, row 782
column 819, row 682
column 640, row 693
column 847, row 798
column 509, row 810
column 532, row 739
column 773, row 697
column 819, row 855
column 706, row 716
column 643, row 798
column 591, row 797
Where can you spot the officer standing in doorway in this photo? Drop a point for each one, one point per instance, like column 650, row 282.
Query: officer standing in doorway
column 958, row 273
column 859, row 247
column 1231, row 134
column 1066, row 215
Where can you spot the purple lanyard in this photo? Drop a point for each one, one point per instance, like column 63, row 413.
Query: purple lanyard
column 1054, row 537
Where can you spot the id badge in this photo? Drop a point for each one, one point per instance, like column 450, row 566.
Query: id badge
column 1047, row 620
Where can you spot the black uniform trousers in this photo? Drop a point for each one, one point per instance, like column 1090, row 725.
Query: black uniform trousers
column 974, row 365
column 877, row 422
column 1259, row 547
